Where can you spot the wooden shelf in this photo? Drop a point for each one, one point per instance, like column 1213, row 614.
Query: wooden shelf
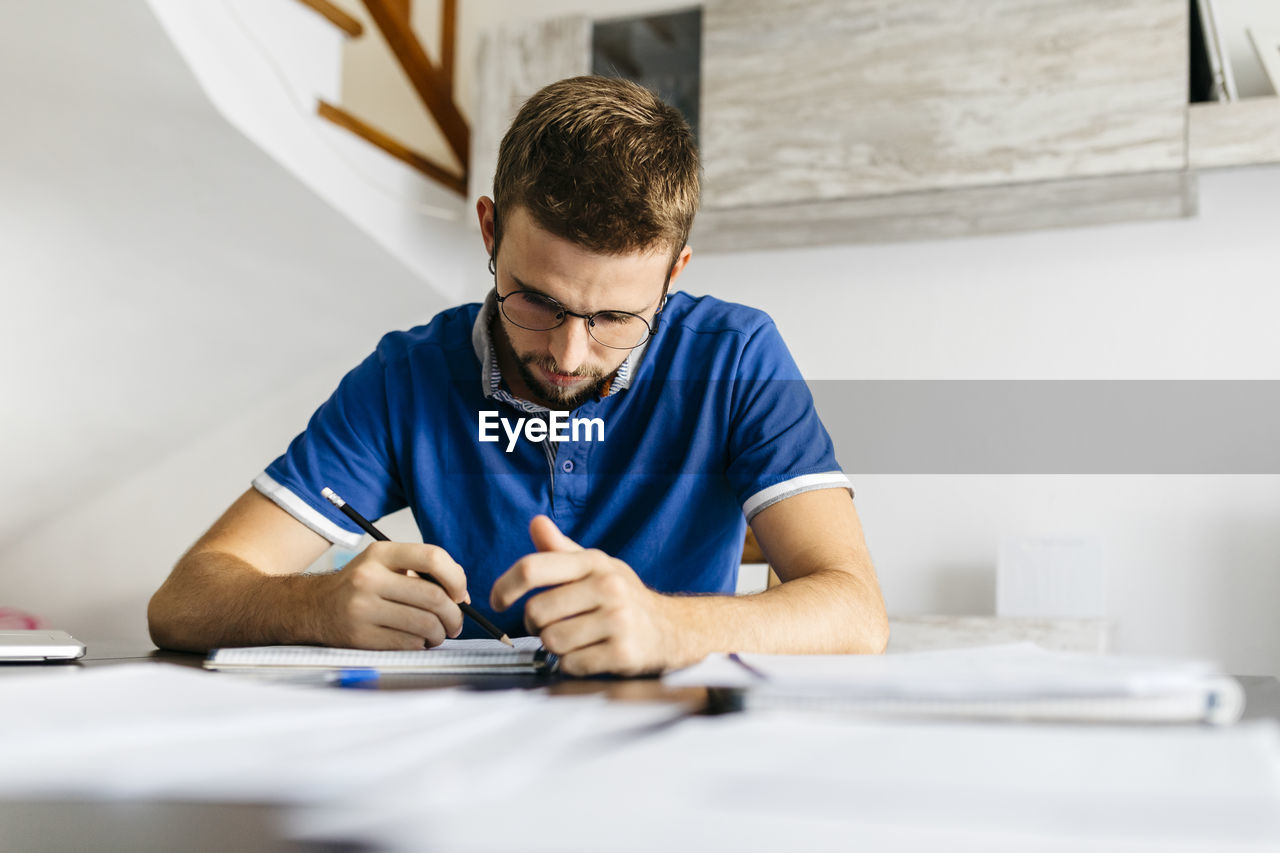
column 830, row 122
column 1240, row 133
column 946, row 213
column 826, row 100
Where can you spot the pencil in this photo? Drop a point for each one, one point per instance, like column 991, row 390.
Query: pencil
column 469, row 611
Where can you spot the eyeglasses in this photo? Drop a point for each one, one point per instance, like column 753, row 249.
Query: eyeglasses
column 538, row 313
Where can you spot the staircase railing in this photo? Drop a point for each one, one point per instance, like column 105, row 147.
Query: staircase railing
column 431, row 82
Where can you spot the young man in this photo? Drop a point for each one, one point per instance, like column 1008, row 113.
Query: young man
column 582, row 452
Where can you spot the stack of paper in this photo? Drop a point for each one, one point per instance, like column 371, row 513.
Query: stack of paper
column 1021, row 681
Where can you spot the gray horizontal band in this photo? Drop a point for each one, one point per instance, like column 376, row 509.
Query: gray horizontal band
column 1053, row 426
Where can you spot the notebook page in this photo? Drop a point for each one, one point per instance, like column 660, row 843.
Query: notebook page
column 450, row 656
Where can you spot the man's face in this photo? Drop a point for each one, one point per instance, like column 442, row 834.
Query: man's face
column 564, row 367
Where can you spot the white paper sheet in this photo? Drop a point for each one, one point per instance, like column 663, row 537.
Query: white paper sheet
column 768, row 782
column 167, row 731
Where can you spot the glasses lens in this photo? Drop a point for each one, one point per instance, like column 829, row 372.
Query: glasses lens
column 531, row 311
column 619, row 330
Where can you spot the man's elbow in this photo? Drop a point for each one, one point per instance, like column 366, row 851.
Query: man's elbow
column 877, row 639
column 169, row 614
column 873, row 622
column 159, row 623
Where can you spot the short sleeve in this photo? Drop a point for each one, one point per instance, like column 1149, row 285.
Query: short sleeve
column 347, row 447
column 778, row 446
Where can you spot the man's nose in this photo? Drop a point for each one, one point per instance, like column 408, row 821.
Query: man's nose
column 570, row 344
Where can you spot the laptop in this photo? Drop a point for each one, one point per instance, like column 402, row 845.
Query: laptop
column 38, row 645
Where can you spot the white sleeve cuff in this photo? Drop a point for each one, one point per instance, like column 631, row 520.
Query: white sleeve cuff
column 804, row 483
column 301, row 510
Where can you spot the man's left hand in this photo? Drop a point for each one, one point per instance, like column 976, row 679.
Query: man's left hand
column 597, row 615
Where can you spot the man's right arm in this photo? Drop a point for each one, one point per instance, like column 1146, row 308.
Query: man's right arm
column 241, row 584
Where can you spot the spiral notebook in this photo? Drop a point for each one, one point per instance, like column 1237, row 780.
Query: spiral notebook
column 1010, row 682
column 453, row 657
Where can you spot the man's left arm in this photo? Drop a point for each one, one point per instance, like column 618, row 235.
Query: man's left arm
column 599, row 617
column 829, row 601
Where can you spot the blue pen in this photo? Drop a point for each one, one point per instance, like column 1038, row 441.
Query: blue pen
column 355, row 677
column 352, row 678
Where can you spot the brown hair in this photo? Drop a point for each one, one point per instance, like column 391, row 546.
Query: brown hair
column 602, row 162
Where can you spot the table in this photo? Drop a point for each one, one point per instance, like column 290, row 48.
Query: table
column 134, row 825
column 1262, row 692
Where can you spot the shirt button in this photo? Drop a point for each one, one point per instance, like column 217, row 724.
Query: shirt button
column 567, row 466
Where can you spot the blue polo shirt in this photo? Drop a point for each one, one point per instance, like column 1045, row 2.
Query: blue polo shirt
column 704, row 427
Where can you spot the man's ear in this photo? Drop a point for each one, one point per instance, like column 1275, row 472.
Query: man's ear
column 682, row 261
column 485, row 213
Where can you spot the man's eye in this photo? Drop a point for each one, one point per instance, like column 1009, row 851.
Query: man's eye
column 542, row 303
column 610, row 318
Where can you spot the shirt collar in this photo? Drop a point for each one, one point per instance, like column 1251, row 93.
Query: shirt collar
column 491, row 374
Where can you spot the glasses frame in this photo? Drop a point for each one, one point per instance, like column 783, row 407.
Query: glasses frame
column 565, row 313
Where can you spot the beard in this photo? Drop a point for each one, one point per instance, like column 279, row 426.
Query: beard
column 553, row 396
column 567, row 399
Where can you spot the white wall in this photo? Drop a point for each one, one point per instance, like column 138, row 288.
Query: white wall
column 264, row 64
column 175, row 305
column 1182, row 299
column 91, row 567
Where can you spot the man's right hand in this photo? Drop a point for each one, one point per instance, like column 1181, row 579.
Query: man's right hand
column 375, row 602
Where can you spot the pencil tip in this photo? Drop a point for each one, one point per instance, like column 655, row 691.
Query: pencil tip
column 504, row 638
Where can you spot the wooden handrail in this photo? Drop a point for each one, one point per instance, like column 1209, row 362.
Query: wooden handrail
column 335, row 16
column 448, row 28
column 427, row 79
column 401, row 152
